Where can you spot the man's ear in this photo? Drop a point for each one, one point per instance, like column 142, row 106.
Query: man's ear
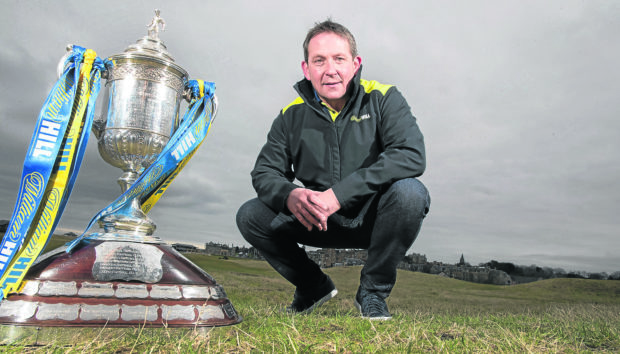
column 304, row 68
column 357, row 62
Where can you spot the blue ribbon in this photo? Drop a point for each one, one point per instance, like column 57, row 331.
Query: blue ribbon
column 41, row 156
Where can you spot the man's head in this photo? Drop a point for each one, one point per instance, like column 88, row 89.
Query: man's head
column 332, row 27
column 331, row 61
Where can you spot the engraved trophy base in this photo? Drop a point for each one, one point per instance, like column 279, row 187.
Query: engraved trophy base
column 118, row 284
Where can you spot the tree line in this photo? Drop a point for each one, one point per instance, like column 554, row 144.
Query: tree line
column 534, row 271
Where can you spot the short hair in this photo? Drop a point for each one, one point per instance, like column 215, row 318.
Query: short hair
column 333, row 27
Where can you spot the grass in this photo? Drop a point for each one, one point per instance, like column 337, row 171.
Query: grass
column 56, row 241
column 431, row 314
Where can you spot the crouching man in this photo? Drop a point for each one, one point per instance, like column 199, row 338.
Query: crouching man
column 357, row 149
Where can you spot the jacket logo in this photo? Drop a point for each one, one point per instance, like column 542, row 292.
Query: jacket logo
column 363, row 117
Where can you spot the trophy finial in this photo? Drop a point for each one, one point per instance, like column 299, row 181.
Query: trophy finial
column 150, row 44
column 153, row 27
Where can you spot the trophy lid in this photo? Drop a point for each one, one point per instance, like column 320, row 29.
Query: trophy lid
column 150, row 45
column 149, row 50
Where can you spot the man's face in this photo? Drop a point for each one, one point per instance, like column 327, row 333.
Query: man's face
column 330, row 68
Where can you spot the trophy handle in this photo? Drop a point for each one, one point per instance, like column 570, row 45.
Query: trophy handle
column 61, row 64
column 97, row 126
column 187, row 95
column 215, row 104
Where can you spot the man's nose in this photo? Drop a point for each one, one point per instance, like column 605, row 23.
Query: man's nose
column 331, row 68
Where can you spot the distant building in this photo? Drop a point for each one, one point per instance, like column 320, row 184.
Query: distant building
column 331, row 257
column 415, row 258
column 219, row 249
column 462, row 260
column 182, row 247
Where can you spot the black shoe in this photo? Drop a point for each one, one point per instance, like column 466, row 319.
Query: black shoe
column 306, row 303
column 371, row 305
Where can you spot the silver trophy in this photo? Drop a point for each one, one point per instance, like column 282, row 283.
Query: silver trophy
column 125, row 276
column 144, row 89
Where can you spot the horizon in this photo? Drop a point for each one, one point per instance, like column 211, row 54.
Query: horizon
column 247, row 245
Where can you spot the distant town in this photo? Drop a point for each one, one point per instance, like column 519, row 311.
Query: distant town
column 492, row 272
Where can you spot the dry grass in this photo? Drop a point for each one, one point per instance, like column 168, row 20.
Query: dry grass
column 431, row 314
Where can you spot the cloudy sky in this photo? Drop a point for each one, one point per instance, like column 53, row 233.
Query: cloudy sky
column 518, row 102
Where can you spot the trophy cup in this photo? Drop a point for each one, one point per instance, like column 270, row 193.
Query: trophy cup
column 125, row 276
column 144, row 90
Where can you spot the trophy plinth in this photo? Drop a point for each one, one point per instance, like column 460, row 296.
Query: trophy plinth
column 118, row 284
column 125, row 276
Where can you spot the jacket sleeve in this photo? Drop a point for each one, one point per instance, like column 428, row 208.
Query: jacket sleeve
column 403, row 153
column 272, row 176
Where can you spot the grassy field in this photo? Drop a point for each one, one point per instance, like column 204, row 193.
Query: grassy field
column 431, row 314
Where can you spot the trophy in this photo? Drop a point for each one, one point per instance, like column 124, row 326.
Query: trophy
column 144, row 90
column 126, row 276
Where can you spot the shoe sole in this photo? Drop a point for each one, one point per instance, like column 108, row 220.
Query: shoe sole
column 321, row 301
column 377, row 318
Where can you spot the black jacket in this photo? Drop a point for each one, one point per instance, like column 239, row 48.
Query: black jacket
column 373, row 142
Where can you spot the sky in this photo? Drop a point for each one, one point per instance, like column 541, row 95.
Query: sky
column 517, row 100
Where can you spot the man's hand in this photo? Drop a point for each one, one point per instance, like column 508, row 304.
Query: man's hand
column 329, row 200
column 312, row 208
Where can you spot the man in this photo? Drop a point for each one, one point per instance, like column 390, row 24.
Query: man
column 356, row 148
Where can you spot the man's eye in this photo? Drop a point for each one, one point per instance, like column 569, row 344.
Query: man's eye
column 318, row 61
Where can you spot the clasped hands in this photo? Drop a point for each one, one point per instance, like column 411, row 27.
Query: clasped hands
column 312, row 208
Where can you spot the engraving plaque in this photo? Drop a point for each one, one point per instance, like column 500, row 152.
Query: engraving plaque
column 58, row 288
column 139, row 313
column 57, row 312
column 31, row 288
column 229, row 310
column 210, row 311
column 217, row 292
column 96, row 290
column 165, row 292
column 195, row 292
column 99, row 312
column 127, row 261
column 178, row 312
column 20, row 309
column 132, row 290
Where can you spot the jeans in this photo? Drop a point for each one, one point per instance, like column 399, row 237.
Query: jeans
column 386, row 226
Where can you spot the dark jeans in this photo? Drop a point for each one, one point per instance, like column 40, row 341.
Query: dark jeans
column 386, row 226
